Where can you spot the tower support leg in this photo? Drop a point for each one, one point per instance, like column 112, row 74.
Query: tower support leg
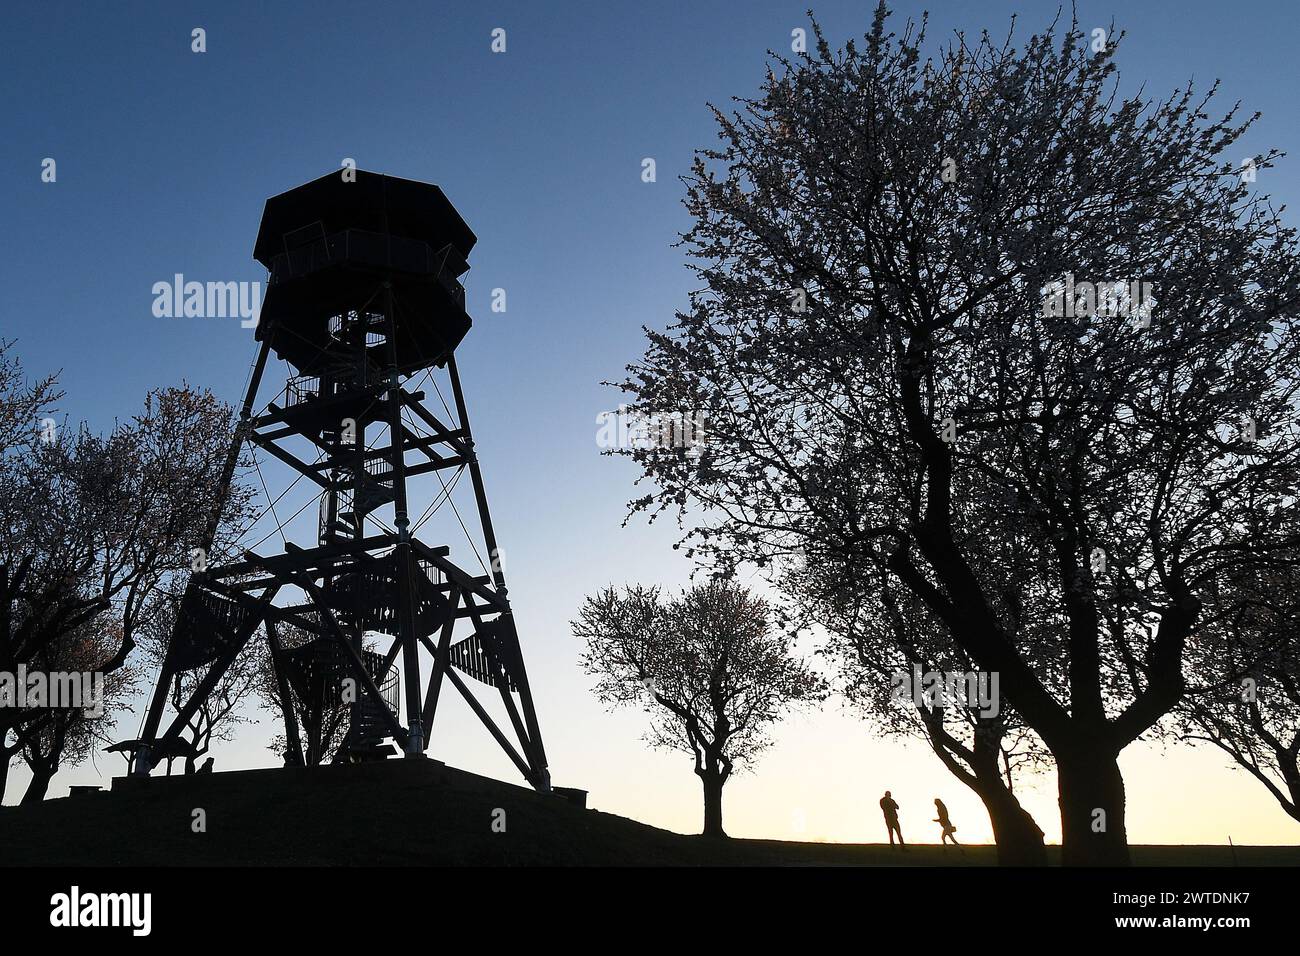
column 405, row 564
column 292, row 738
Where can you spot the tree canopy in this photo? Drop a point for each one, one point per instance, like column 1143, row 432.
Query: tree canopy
column 709, row 666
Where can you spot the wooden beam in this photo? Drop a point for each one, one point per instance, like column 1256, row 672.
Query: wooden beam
column 440, row 655
column 464, row 580
column 292, row 461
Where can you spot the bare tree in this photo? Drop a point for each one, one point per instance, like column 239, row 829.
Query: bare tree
column 709, row 666
column 26, row 411
column 899, row 369
column 91, row 527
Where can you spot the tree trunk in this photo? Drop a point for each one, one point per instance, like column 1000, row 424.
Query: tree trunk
column 713, row 782
column 39, row 786
column 1292, row 785
column 1091, row 792
column 1018, row 837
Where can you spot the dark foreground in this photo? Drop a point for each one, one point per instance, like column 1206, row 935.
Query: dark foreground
column 411, row 813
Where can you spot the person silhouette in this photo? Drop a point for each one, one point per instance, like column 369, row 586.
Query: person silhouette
column 890, row 809
column 945, row 824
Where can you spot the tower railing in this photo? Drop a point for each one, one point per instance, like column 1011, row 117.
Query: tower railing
column 373, row 249
column 301, row 390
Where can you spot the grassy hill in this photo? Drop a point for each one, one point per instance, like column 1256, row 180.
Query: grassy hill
column 407, row 812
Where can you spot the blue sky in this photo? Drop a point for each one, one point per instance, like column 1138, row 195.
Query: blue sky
column 164, row 160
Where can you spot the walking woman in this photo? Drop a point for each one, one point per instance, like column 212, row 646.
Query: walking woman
column 945, row 823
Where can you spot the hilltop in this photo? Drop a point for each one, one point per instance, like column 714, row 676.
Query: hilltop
column 404, row 812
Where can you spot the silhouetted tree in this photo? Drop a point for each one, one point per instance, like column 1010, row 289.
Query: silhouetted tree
column 25, row 416
column 709, row 666
column 898, row 371
column 91, row 527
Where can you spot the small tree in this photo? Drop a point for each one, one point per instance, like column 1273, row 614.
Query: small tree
column 91, row 528
column 709, row 666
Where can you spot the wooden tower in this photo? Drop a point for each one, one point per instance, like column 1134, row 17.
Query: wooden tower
column 363, row 297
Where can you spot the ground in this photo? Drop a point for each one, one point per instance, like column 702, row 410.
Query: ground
column 407, row 812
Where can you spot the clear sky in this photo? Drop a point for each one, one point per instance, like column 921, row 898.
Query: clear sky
column 165, row 157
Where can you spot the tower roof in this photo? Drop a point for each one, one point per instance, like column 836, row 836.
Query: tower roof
column 373, row 203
